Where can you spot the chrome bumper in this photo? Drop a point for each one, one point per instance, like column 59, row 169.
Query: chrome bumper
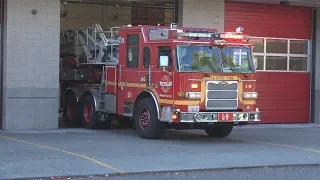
column 213, row 117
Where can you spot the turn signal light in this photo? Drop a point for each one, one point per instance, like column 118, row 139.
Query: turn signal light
column 174, row 116
column 194, row 86
column 181, row 95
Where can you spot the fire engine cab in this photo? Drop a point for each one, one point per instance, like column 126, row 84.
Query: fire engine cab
column 158, row 77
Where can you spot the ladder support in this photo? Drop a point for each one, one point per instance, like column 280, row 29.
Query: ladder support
column 96, row 45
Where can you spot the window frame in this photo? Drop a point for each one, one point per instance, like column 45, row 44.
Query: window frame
column 170, row 55
column 287, row 55
column 133, row 46
column 144, row 56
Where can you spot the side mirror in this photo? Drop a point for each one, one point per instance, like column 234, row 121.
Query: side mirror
column 174, row 26
column 164, row 61
column 255, row 63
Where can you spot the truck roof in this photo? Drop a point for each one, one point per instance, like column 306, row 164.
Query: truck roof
column 210, row 36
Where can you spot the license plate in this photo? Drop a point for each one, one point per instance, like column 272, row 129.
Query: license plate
column 225, row 117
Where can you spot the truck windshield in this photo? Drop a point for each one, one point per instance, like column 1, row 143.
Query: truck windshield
column 192, row 58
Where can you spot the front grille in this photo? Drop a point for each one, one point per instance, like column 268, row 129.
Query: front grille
column 222, row 95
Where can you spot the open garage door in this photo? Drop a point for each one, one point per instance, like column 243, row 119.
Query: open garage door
column 76, row 14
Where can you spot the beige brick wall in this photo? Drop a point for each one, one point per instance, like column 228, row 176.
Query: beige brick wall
column 31, row 65
column 202, row 13
column 33, row 43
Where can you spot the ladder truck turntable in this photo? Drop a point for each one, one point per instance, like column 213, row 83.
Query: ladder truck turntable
column 154, row 78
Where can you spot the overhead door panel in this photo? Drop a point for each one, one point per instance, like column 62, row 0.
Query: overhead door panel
column 269, row 20
column 283, row 81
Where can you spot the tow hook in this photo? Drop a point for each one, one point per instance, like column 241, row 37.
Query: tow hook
column 239, row 124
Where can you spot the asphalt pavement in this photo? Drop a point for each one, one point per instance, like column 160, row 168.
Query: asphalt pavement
column 80, row 152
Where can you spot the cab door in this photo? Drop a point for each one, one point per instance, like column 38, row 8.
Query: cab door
column 128, row 86
column 163, row 74
column 146, row 66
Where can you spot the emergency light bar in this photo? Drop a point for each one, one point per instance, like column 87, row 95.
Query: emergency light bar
column 211, row 35
column 231, row 36
column 205, row 35
column 222, row 37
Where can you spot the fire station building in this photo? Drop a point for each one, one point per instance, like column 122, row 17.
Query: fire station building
column 286, row 39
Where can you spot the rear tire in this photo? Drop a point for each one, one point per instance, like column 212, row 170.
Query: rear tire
column 146, row 120
column 71, row 110
column 91, row 119
column 219, row 130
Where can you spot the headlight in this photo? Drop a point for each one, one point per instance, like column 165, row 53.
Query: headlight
column 250, row 95
column 190, row 95
column 193, row 95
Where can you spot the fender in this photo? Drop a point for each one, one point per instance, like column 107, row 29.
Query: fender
column 70, row 90
column 92, row 93
column 154, row 99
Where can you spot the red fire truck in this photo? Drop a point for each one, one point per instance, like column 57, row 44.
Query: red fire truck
column 158, row 77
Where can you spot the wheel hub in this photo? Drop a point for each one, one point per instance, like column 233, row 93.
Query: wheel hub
column 88, row 111
column 144, row 119
column 70, row 111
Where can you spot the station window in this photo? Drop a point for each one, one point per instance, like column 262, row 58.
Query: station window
column 164, row 51
column 133, row 50
column 146, row 57
column 275, row 54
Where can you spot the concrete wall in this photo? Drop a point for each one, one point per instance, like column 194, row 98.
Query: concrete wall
column 32, row 65
column 202, row 13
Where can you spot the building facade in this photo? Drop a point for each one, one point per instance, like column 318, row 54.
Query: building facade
column 285, row 37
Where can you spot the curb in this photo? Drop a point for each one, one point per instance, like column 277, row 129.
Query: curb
column 162, row 172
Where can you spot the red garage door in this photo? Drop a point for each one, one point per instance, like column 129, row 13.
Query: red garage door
column 281, row 38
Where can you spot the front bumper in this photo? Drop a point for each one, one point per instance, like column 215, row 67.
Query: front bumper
column 213, row 117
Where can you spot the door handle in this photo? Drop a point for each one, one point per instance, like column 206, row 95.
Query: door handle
column 147, row 80
column 148, row 77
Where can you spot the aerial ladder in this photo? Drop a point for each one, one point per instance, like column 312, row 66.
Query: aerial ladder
column 85, row 52
column 91, row 45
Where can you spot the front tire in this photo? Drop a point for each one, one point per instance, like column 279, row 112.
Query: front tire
column 219, row 130
column 146, row 120
column 91, row 119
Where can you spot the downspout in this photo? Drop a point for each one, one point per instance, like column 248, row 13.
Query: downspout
column 313, row 66
column 176, row 11
column 3, row 42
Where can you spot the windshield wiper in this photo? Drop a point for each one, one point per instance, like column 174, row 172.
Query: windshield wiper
column 242, row 73
column 206, row 74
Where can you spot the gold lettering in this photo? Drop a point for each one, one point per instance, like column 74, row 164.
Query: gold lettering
column 223, row 78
